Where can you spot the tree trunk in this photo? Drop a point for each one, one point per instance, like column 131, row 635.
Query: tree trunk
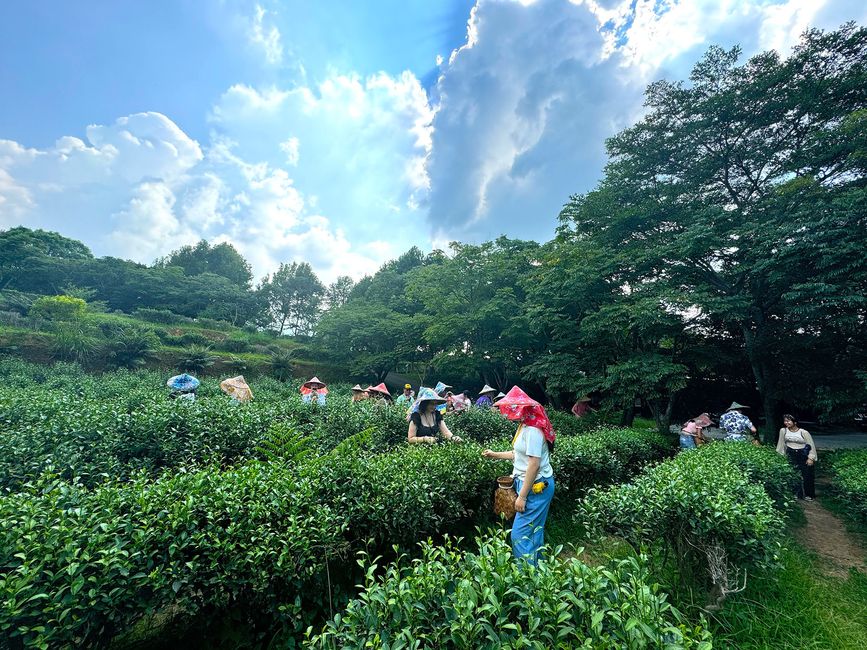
column 763, row 375
column 662, row 414
column 628, row 416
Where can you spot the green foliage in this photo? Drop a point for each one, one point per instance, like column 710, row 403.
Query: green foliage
column 131, row 347
column 80, row 566
column 849, row 481
column 74, row 342
column 292, row 295
column 282, row 364
column 285, row 445
column 59, row 308
column 221, row 259
column 163, row 316
column 701, row 509
column 452, row 599
column 196, row 358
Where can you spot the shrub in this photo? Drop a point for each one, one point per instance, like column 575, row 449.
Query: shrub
column 762, row 465
column 196, row 359
column 704, row 511
column 452, row 599
column 481, row 425
column 60, row 308
column 849, row 480
column 235, row 344
column 80, row 566
column 162, row 316
column 282, row 364
column 74, row 342
column 131, row 347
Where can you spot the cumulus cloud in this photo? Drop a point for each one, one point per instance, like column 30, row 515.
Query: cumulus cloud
column 525, row 105
column 140, row 187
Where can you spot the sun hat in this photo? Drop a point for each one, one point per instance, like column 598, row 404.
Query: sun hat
column 441, row 388
column 735, row 406
column 487, row 389
column 426, row 395
column 586, row 398
column 315, row 381
column 183, row 382
column 499, row 396
column 358, row 388
column 517, row 405
column 237, row 387
column 407, row 386
column 381, row 389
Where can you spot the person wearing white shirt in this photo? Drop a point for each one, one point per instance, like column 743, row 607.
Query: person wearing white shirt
column 797, row 445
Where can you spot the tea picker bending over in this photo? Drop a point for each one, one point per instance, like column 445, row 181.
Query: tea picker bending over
column 425, row 421
column 531, row 467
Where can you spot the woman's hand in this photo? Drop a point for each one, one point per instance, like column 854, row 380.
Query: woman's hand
column 430, row 439
column 487, row 453
column 456, row 439
column 520, row 504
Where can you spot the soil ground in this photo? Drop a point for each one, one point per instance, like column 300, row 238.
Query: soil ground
column 826, row 535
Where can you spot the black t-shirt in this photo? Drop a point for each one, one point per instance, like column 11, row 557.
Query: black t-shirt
column 421, row 430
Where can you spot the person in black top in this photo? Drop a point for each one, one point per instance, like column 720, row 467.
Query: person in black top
column 425, row 422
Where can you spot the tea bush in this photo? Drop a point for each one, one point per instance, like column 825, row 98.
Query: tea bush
column 761, row 465
column 452, row 599
column 701, row 509
column 78, row 566
column 849, row 480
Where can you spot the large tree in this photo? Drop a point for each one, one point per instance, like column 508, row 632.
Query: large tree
column 743, row 193
column 293, row 295
column 221, row 259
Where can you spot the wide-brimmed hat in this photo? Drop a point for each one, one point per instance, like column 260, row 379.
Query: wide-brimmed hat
column 426, row 395
column 310, row 383
column 735, row 407
column 499, row 396
column 585, row 398
column 487, row 389
column 381, row 389
column 441, row 388
column 516, row 398
column 237, row 387
column 183, row 382
column 357, row 388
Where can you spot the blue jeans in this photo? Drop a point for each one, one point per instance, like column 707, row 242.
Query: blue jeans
column 687, row 442
column 528, row 531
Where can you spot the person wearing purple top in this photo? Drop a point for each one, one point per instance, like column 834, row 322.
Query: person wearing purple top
column 485, row 399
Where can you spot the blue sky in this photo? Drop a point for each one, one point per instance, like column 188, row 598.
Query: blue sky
column 338, row 132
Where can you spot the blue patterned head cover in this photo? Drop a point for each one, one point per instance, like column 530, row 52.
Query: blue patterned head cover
column 183, row 382
column 425, row 395
column 440, row 388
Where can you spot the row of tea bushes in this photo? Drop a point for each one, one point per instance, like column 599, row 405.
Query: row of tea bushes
column 848, row 471
column 710, row 510
column 81, row 565
column 92, row 428
column 78, row 566
column 449, row 598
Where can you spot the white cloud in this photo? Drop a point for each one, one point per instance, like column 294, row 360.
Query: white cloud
column 524, row 106
column 265, row 36
column 140, row 187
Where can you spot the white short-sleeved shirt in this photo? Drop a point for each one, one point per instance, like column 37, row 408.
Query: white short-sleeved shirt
column 530, row 441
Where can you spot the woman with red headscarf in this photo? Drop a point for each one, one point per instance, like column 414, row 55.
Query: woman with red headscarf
column 531, row 469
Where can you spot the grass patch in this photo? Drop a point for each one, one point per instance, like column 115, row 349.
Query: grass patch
column 796, row 607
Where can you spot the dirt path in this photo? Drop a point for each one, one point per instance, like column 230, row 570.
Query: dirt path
column 826, row 535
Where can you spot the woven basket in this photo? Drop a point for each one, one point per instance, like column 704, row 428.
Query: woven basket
column 504, row 497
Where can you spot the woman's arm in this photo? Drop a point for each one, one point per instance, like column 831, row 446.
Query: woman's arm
column 499, row 455
column 447, row 434
column 781, row 442
column 814, row 456
column 411, row 438
column 532, row 469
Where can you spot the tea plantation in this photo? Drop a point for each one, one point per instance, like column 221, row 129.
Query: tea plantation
column 121, row 507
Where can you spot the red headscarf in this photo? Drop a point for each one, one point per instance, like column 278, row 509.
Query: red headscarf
column 517, row 405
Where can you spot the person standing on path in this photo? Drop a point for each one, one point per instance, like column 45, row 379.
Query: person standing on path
column 797, row 445
column 531, row 468
column 737, row 425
